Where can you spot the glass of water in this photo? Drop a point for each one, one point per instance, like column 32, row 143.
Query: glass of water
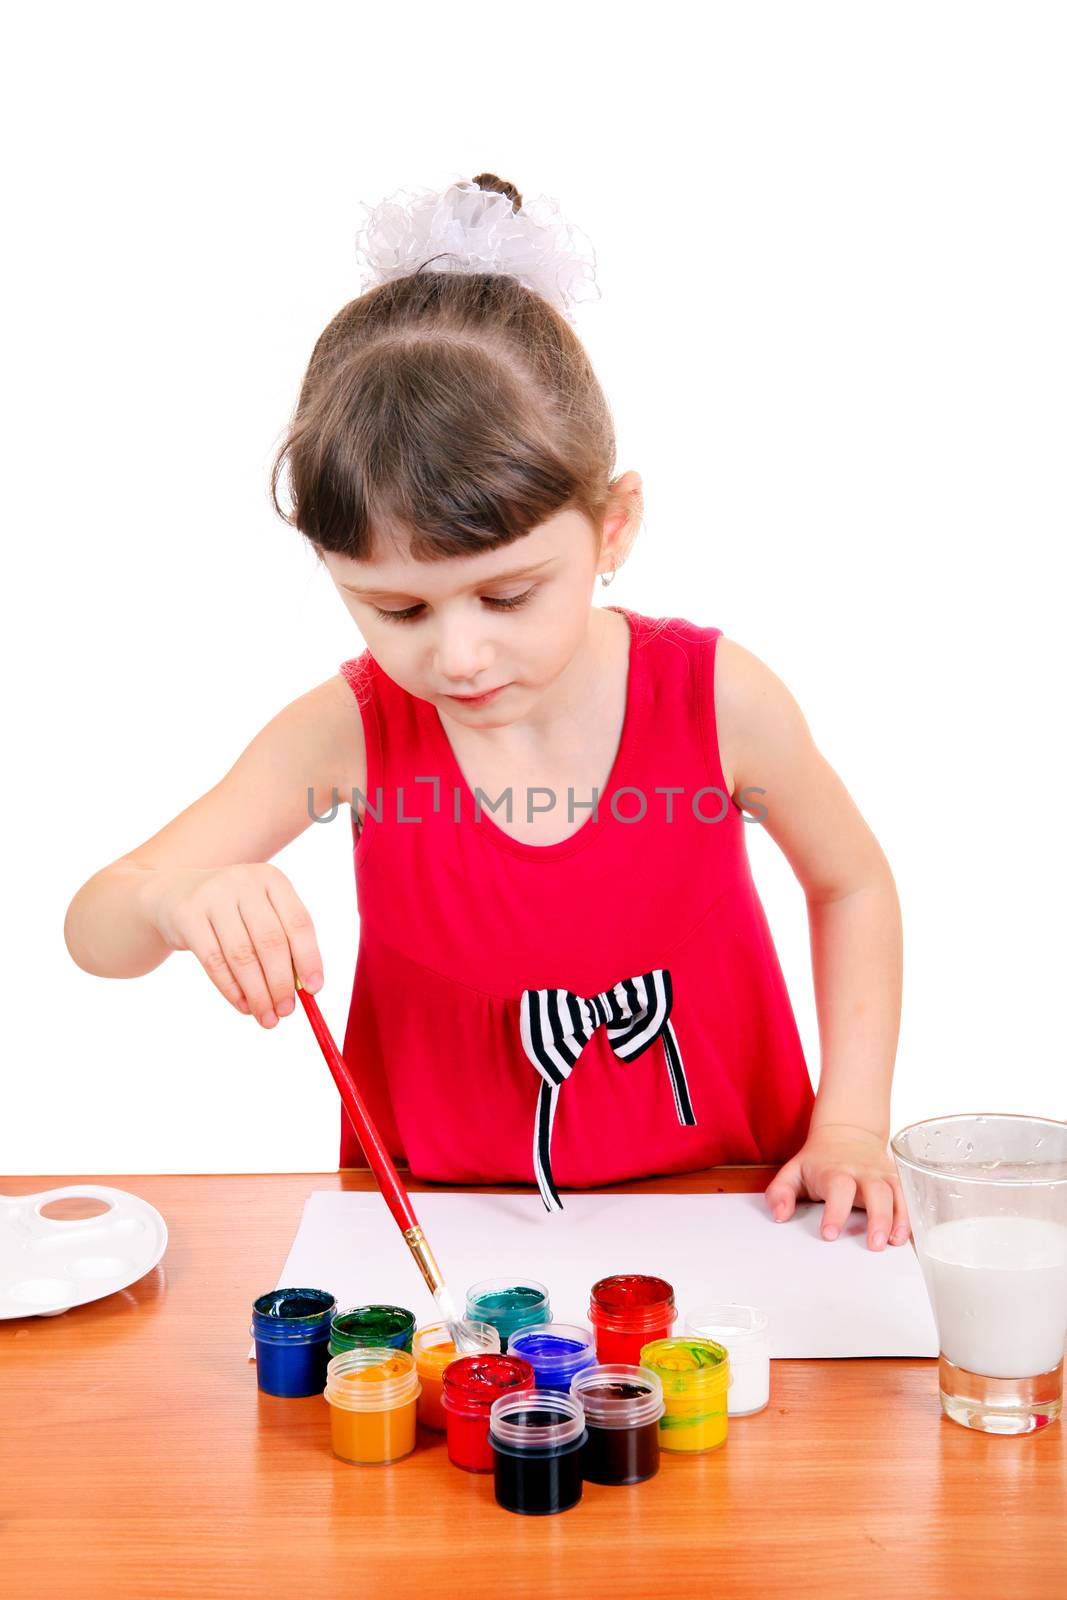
column 987, row 1203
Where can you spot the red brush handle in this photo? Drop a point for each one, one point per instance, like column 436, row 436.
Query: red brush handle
column 381, row 1162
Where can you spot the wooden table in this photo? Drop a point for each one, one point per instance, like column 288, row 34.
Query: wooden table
column 138, row 1458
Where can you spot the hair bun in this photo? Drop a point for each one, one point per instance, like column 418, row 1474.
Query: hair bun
column 489, row 180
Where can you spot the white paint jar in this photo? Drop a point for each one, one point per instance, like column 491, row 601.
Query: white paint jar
column 743, row 1330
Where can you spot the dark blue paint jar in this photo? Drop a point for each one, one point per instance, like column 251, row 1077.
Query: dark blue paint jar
column 291, row 1328
column 537, row 1437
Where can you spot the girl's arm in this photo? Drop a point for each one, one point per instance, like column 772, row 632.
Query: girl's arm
column 122, row 922
column 856, row 945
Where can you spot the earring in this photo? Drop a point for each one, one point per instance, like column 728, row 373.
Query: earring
column 605, row 580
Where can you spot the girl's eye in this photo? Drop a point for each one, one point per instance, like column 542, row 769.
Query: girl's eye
column 508, row 604
column 397, row 616
column 411, row 614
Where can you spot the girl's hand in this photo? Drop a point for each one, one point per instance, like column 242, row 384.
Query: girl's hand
column 247, row 927
column 837, row 1163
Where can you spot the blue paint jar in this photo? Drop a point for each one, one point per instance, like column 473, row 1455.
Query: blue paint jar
column 556, row 1351
column 291, row 1328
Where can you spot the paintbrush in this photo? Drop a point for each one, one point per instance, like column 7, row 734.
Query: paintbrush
column 381, row 1164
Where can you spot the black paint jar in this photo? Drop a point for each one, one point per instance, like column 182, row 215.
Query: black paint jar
column 537, row 1437
column 623, row 1405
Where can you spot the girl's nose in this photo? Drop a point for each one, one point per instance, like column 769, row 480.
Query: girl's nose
column 462, row 660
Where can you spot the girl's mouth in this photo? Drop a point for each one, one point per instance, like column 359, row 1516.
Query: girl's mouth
column 476, row 699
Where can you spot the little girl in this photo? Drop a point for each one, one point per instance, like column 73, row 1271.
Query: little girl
column 565, row 974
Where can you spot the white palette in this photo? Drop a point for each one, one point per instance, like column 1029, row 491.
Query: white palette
column 823, row 1299
column 47, row 1265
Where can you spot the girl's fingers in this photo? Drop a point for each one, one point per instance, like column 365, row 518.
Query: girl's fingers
column 781, row 1193
column 204, row 944
column 878, row 1200
column 271, row 947
column 838, row 1193
column 303, row 945
column 238, row 948
column 901, row 1225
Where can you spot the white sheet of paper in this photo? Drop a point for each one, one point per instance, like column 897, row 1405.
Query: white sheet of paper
column 823, row 1298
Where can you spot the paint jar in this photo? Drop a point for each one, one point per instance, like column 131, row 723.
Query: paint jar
column 469, row 1386
column 291, row 1328
column 537, row 1440
column 623, row 1405
column 743, row 1330
column 385, row 1327
column 372, row 1394
column 434, row 1351
column 508, row 1304
column 695, row 1374
column 628, row 1311
column 556, row 1351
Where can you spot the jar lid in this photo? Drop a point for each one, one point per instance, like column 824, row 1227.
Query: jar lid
column 617, row 1395
column 434, row 1345
column 537, row 1421
column 376, row 1325
column 742, row 1329
column 284, row 1316
column 688, row 1363
column 504, row 1297
column 631, row 1302
column 553, row 1348
column 372, row 1378
column 291, row 1304
column 472, row 1383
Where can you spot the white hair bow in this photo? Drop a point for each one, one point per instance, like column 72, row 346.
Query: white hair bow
column 468, row 229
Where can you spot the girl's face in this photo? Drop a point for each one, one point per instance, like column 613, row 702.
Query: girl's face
column 509, row 619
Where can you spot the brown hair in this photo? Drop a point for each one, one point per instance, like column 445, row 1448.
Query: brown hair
column 455, row 410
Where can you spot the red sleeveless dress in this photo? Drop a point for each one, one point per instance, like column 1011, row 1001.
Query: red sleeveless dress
column 575, row 1014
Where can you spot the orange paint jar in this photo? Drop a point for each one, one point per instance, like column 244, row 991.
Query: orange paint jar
column 372, row 1394
column 433, row 1351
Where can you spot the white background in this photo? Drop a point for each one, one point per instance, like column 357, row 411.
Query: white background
column 832, row 247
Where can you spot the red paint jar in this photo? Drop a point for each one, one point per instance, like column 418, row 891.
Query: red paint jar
column 468, row 1388
column 628, row 1311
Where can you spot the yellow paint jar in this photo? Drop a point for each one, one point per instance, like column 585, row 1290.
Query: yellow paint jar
column 372, row 1393
column 695, row 1374
column 433, row 1350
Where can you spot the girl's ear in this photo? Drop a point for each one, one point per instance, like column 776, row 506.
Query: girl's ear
column 623, row 516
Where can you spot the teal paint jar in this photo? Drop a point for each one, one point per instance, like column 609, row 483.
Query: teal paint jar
column 508, row 1304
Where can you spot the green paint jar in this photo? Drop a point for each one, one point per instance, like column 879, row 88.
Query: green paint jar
column 386, row 1327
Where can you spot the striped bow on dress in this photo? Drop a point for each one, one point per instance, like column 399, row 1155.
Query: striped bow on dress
column 556, row 1025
